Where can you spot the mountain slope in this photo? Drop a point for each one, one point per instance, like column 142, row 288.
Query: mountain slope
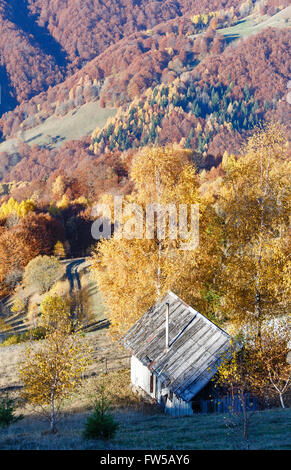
column 127, row 68
column 189, row 79
column 27, row 69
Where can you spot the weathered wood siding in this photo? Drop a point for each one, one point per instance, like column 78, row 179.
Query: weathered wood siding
column 178, row 407
column 141, row 377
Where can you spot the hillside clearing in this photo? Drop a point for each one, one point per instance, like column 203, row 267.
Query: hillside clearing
column 54, row 131
column 250, row 25
column 99, row 341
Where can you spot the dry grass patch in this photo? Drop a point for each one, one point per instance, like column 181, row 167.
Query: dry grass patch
column 99, row 341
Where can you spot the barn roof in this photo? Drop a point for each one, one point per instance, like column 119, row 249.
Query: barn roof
column 195, row 345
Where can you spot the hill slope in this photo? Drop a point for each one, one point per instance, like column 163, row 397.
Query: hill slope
column 42, row 41
column 223, row 76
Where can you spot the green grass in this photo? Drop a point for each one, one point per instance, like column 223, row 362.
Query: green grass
column 203, row 432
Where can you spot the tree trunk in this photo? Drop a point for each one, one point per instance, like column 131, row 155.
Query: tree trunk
column 52, row 420
column 258, row 315
column 281, row 400
column 245, row 421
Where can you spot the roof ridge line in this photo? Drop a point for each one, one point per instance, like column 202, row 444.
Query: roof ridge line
column 196, row 312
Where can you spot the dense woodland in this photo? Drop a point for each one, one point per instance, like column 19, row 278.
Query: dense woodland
column 137, row 54
column 52, row 39
column 208, row 108
column 167, row 68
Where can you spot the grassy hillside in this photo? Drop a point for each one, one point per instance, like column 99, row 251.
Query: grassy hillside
column 54, row 131
column 253, row 24
column 12, row 356
column 140, row 430
column 142, row 425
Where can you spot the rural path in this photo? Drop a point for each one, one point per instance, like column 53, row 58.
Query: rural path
column 73, row 269
column 73, row 274
column 16, row 322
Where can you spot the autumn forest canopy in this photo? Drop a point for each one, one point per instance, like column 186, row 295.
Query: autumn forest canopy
column 196, row 76
column 199, row 77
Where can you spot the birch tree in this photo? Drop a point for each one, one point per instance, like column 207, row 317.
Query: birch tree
column 274, row 373
column 255, row 203
column 52, row 372
column 134, row 273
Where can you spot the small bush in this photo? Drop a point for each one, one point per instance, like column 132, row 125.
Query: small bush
column 11, row 340
column 31, row 335
column 101, row 424
column 7, row 410
column 36, row 334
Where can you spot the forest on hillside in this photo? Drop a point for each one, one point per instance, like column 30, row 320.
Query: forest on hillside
column 210, row 108
column 52, row 39
column 144, row 152
column 166, row 68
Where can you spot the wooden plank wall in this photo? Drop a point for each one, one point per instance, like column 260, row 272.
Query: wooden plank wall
column 228, row 404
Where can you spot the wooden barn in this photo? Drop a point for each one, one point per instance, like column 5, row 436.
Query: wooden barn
column 175, row 353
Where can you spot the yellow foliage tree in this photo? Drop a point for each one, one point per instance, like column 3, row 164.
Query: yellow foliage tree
column 55, row 313
column 274, row 373
column 255, row 202
column 133, row 272
column 63, row 203
column 54, row 371
column 58, row 187
column 196, row 19
column 13, row 207
column 59, row 250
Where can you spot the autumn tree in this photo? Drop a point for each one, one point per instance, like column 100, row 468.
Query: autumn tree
column 12, row 207
column 254, row 202
column 35, row 235
column 59, row 187
column 59, row 250
column 13, row 257
column 42, row 272
column 250, row 369
column 235, row 376
column 136, row 269
column 40, row 233
column 55, row 312
column 52, row 372
column 273, row 375
column 141, row 273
